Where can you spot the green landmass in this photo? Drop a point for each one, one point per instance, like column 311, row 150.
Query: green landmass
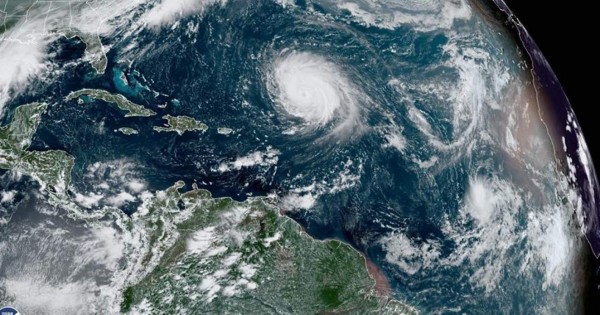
column 127, row 131
column 192, row 253
column 7, row 23
column 11, row 12
column 94, row 51
column 181, row 124
column 234, row 257
column 131, row 109
column 51, row 168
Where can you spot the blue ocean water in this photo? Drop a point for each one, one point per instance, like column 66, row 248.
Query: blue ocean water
column 216, row 74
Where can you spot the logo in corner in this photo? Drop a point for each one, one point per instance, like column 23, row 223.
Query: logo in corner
column 7, row 310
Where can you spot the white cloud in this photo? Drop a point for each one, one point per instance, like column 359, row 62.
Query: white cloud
column 23, row 48
column 482, row 201
column 305, row 198
column 395, row 140
column 58, row 266
column 7, row 196
column 136, row 186
column 36, row 295
column 423, row 15
column 168, row 11
column 552, row 244
column 408, row 254
column 298, row 201
column 201, row 240
column 120, row 199
column 19, row 62
column 89, row 200
column 270, row 157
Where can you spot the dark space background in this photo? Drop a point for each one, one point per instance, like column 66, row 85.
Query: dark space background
column 557, row 28
column 565, row 32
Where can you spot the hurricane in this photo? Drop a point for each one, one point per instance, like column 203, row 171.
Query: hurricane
column 288, row 157
column 310, row 87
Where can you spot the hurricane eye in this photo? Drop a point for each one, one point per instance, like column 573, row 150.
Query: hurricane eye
column 310, row 87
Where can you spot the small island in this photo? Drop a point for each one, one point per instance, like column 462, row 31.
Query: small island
column 127, row 131
column 131, row 109
column 181, row 124
column 224, row 131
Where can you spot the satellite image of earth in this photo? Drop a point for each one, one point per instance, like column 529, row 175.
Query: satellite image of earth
column 287, row 157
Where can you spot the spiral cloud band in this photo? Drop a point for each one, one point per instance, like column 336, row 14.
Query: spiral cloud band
column 309, row 87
